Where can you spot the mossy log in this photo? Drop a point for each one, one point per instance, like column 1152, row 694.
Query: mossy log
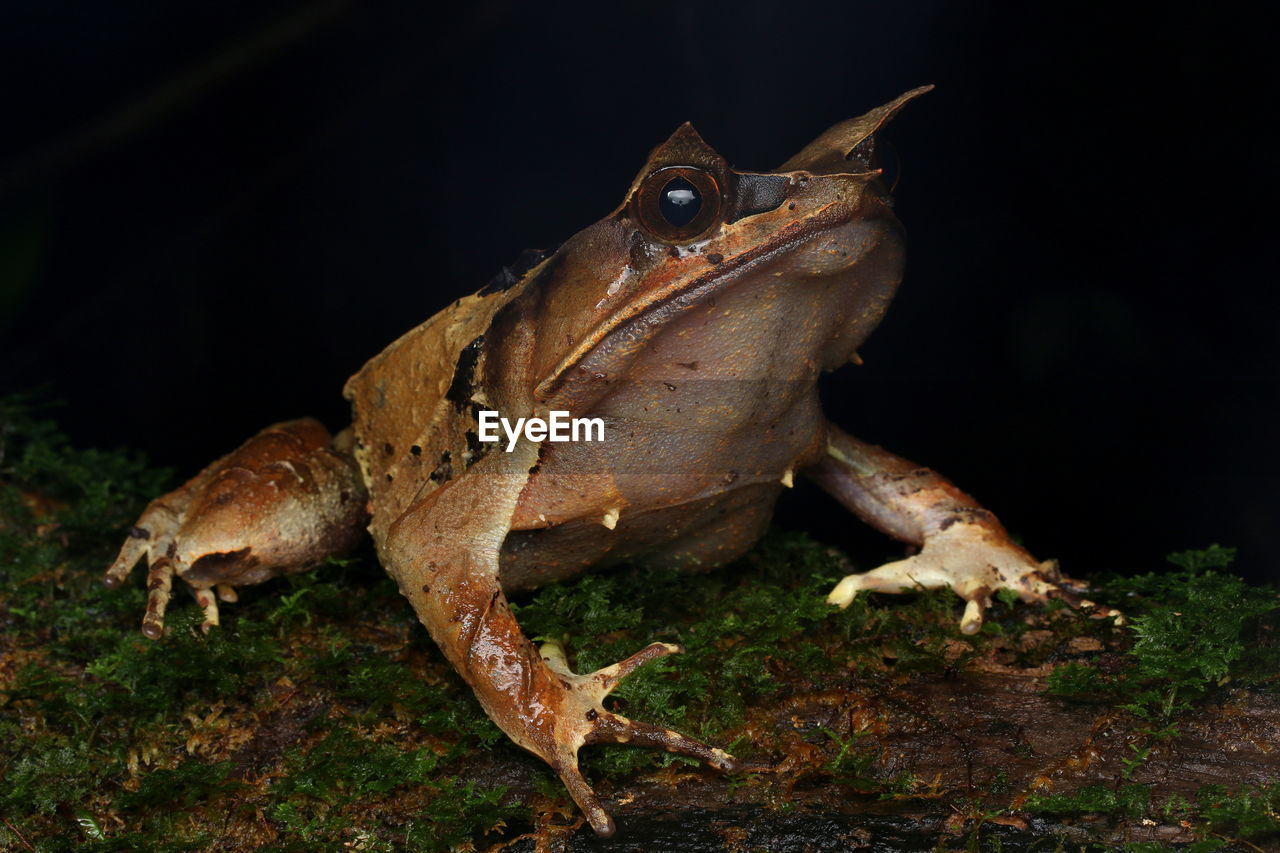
column 320, row 717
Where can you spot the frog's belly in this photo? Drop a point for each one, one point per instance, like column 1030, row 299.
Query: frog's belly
column 674, row 452
column 699, row 535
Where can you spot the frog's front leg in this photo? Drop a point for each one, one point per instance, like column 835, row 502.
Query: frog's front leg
column 280, row 503
column 962, row 545
column 444, row 553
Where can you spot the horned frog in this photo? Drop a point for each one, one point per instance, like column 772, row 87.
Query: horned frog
column 694, row 321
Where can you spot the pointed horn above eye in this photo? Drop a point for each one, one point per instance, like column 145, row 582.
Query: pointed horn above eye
column 685, row 135
column 685, row 147
column 830, row 151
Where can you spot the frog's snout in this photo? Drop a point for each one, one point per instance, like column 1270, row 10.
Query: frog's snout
column 839, row 149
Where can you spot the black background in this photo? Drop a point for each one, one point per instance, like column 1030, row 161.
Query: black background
column 212, row 213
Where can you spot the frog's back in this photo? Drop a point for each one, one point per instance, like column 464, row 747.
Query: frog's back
column 414, row 406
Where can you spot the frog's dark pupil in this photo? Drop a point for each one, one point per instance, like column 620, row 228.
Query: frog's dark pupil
column 680, row 202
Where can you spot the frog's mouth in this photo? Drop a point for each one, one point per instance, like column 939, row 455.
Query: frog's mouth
column 614, row 344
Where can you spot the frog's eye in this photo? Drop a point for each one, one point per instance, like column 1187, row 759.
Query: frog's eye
column 678, row 204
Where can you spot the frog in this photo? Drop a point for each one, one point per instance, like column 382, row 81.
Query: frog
column 694, row 322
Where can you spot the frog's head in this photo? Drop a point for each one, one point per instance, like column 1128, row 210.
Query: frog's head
column 690, row 226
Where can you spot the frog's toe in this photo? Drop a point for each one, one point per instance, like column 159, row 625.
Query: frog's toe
column 891, row 577
column 159, row 590
column 608, row 727
column 134, row 548
column 918, row 572
column 1046, row 583
column 922, row 572
column 208, row 603
column 566, row 765
column 608, row 677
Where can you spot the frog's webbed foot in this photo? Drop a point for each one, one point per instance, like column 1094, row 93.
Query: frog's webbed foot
column 280, row 503
column 583, row 720
column 973, row 560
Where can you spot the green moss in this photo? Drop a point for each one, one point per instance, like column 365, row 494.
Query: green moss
column 740, row 630
column 1125, row 801
column 1077, row 679
column 139, row 676
column 345, row 766
column 853, row 763
column 323, row 783
column 1190, row 641
column 51, row 775
column 1192, row 630
column 1252, row 812
column 185, row 785
column 459, row 812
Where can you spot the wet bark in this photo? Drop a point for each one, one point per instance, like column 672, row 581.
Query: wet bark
column 975, row 745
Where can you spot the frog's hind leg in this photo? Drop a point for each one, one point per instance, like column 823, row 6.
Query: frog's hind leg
column 280, row 503
column 962, row 544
